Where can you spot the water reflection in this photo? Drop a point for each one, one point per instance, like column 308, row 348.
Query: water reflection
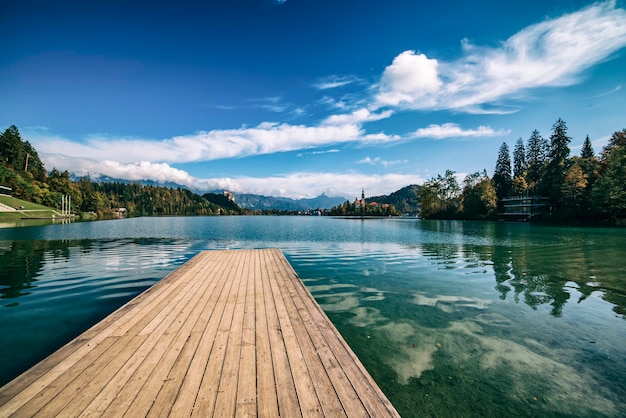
column 450, row 318
column 50, row 291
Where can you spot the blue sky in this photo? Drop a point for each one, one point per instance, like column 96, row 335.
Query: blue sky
column 303, row 97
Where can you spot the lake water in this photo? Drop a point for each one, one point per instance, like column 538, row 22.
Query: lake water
column 452, row 319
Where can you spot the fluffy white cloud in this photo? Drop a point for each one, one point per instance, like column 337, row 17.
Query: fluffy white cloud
column 548, row 54
column 294, row 185
column 410, row 78
column 452, row 130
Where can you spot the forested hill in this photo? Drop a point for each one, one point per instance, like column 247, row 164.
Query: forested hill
column 405, row 200
column 22, row 170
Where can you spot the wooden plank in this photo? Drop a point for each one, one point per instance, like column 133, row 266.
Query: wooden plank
column 266, row 387
column 111, row 363
column 230, row 333
column 175, row 378
column 287, row 397
column 156, row 364
column 307, row 397
column 246, row 401
column 192, row 379
column 30, row 383
column 213, row 373
column 303, row 323
column 226, row 401
column 368, row 391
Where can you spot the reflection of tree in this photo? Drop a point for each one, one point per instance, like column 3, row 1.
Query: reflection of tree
column 543, row 274
column 22, row 263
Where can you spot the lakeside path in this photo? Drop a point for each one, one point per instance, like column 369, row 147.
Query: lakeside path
column 230, row 333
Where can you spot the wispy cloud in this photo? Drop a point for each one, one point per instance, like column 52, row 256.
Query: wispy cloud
column 330, row 151
column 266, row 138
column 379, row 161
column 358, row 116
column 548, row 54
column 335, row 81
column 452, row 130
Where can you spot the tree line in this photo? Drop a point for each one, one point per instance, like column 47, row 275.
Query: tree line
column 22, row 170
column 587, row 187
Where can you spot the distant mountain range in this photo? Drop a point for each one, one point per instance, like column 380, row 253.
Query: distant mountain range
column 244, row 200
column 253, row 201
column 406, row 200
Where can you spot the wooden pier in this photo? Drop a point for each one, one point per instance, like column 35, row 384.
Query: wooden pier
column 230, row 333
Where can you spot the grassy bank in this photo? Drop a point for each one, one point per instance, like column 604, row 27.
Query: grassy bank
column 25, row 209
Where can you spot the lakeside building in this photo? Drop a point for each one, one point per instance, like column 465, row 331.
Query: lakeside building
column 523, row 208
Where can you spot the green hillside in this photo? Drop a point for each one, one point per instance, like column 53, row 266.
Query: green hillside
column 25, row 209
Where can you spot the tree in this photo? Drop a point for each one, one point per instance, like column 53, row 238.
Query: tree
column 587, row 150
column 556, row 167
column 12, row 148
column 574, row 186
column 478, row 199
column 535, row 159
column 519, row 159
column 519, row 168
column 502, row 180
column 609, row 191
column 618, row 139
column 439, row 197
column 430, row 203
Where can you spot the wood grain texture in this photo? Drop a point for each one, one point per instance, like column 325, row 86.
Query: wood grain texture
column 231, row 333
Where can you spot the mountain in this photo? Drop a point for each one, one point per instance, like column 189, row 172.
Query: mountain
column 223, row 201
column 243, row 200
column 405, row 200
column 107, row 179
column 258, row 202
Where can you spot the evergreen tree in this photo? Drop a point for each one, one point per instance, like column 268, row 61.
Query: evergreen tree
column 587, row 150
column 535, row 159
column 618, row 139
column 609, row 191
column 519, row 159
column 556, row 168
column 519, row 168
column 502, row 180
column 12, row 148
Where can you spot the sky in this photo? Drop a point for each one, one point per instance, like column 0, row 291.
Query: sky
column 297, row 98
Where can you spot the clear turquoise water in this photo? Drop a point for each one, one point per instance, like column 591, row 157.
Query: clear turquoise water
column 450, row 318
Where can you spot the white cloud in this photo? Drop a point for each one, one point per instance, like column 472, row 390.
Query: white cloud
column 308, row 184
column 452, row 130
column 409, row 78
column 356, row 117
column 330, row 151
column 379, row 161
column 548, row 54
column 294, row 185
column 266, row 138
column 335, row 81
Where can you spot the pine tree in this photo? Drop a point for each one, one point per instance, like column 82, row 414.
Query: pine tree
column 587, row 150
column 556, row 168
column 519, row 159
column 502, row 180
column 12, row 148
column 535, row 158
